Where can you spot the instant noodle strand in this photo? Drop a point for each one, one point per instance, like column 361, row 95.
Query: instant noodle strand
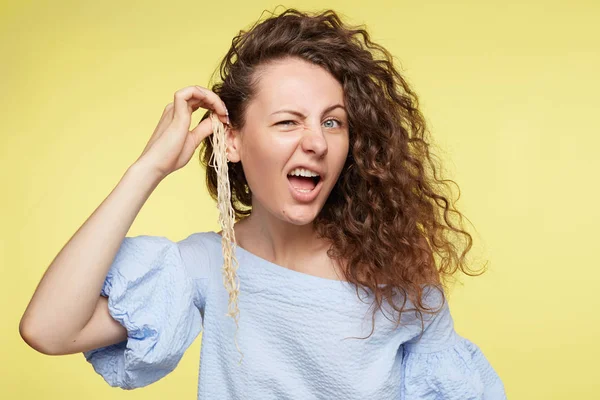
column 226, row 220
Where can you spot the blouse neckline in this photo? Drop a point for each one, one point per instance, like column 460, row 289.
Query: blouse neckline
column 280, row 269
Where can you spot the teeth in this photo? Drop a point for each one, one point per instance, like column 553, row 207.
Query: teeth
column 303, row 172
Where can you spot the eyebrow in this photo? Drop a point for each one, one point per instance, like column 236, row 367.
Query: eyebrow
column 299, row 114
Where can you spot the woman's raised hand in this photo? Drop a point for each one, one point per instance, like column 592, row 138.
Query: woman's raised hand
column 172, row 144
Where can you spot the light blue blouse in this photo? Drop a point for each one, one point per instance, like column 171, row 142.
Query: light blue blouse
column 300, row 334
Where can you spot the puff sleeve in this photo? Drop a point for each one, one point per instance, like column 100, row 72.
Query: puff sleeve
column 445, row 366
column 152, row 295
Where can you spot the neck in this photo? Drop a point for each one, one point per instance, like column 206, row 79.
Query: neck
column 278, row 241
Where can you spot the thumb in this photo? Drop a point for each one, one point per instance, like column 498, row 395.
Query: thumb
column 201, row 131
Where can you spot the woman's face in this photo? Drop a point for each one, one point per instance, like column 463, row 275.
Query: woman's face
column 296, row 119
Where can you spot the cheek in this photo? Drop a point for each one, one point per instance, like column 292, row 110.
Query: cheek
column 340, row 147
column 262, row 158
column 270, row 151
column 262, row 168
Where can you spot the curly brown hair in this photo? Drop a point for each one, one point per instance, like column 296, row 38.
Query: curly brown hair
column 389, row 217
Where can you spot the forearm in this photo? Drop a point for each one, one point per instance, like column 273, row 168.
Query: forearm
column 68, row 292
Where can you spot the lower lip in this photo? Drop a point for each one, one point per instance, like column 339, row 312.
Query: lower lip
column 306, row 197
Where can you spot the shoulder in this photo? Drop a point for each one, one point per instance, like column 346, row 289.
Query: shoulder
column 198, row 252
column 198, row 239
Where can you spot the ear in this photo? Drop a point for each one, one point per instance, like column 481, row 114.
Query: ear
column 234, row 144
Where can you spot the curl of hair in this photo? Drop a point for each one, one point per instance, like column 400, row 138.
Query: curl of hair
column 389, row 217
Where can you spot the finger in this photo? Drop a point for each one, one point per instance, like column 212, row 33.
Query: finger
column 215, row 103
column 192, row 141
column 193, row 95
column 182, row 112
column 165, row 119
column 201, row 131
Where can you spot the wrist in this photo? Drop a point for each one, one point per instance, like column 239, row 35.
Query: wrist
column 143, row 173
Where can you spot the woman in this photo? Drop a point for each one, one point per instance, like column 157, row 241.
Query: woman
column 339, row 220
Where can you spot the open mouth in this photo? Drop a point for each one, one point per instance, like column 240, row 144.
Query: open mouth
column 304, row 184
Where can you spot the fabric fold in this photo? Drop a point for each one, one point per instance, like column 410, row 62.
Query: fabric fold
column 151, row 294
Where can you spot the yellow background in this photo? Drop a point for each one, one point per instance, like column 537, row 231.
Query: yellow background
column 511, row 93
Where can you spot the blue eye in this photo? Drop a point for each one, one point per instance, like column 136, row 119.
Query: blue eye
column 289, row 122
column 333, row 120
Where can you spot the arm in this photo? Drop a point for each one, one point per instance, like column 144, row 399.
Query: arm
column 66, row 313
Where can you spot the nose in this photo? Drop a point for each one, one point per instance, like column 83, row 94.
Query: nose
column 314, row 141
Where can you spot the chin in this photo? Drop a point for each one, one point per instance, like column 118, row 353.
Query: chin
column 302, row 216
